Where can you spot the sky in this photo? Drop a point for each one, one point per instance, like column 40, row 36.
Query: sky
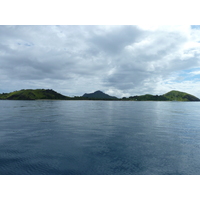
column 123, row 61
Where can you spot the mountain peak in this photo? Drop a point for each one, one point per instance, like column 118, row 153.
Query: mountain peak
column 98, row 95
column 99, row 91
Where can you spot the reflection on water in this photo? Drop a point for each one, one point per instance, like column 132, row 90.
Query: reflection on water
column 99, row 137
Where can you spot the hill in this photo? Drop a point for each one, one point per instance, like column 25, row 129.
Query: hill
column 170, row 96
column 180, row 96
column 30, row 94
column 98, row 95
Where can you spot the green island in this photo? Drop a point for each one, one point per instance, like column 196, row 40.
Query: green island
column 49, row 94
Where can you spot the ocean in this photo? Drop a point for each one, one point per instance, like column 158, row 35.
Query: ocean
column 47, row 137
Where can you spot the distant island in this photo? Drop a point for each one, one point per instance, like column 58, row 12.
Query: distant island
column 39, row 94
column 98, row 95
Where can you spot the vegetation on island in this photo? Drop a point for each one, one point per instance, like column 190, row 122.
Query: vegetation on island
column 148, row 97
column 98, row 95
column 180, row 96
column 33, row 95
column 170, row 96
column 39, row 94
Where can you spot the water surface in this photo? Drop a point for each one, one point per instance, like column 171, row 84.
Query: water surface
column 99, row 137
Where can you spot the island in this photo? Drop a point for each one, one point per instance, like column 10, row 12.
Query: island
column 49, row 94
column 31, row 94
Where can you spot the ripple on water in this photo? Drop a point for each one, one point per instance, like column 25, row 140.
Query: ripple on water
column 92, row 137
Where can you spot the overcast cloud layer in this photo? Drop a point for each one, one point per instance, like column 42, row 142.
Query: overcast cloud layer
column 119, row 60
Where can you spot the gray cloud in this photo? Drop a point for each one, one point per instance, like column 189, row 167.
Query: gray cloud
column 113, row 41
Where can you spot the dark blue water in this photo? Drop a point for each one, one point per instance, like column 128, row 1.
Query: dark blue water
column 99, row 137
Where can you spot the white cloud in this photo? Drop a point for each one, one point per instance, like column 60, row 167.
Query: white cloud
column 195, row 72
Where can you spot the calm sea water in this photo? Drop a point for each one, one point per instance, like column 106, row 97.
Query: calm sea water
column 99, row 137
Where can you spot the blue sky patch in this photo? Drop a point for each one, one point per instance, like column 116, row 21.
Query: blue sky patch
column 195, row 26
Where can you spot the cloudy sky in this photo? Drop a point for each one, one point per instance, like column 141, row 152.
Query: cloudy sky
column 119, row 60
